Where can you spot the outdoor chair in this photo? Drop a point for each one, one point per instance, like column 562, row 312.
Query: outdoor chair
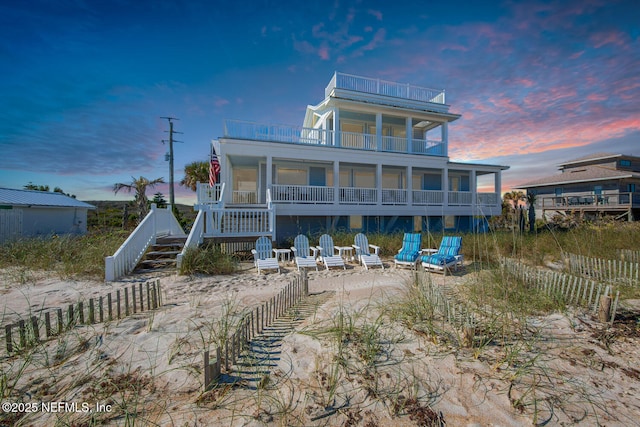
column 303, row 253
column 263, row 255
column 410, row 251
column 447, row 256
column 328, row 253
column 363, row 254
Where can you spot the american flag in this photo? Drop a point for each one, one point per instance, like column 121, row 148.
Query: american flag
column 214, row 168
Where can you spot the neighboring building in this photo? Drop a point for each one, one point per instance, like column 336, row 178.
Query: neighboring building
column 26, row 213
column 599, row 184
column 372, row 157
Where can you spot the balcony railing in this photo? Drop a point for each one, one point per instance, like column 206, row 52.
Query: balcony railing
column 308, row 136
column 427, row 197
column 383, row 87
column 302, row 194
column 601, row 201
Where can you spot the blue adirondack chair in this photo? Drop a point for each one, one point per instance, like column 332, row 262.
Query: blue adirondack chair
column 263, row 255
column 363, row 253
column 410, row 251
column 447, row 256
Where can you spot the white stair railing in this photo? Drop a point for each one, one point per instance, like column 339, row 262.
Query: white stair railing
column 196, row 237
column 158, row 222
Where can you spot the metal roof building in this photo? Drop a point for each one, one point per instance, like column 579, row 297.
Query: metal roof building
column 28, row 213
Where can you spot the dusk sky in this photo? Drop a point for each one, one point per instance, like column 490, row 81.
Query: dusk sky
column 83, row 84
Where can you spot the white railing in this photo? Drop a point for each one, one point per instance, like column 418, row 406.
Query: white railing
column 209, row 195
column 352, row 140
column 463, row 198
column 488, row 199
column 244, row 197
column 196, row 236
column 238, row 222
column 383, row 87
column 157, row 222
column 604, row 200
column 364, row 196
column 302, row 194
column 358, row 141
column 394, row 197
column 427, row 197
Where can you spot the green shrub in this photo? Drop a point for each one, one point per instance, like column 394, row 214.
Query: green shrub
column 208, row 259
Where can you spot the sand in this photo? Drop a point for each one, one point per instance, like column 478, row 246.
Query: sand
column 374, row 370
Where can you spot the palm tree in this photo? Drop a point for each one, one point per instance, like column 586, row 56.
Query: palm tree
column 195, row 172
column 514, row 198
column 139, row 185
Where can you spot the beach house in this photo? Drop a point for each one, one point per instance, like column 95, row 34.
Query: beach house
column 598, row 184
column 373, row 155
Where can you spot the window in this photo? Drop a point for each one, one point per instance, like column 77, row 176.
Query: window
column 559, row 192
column 597, row 190
column 288, row 176
column 625, row 163
column 631, row 188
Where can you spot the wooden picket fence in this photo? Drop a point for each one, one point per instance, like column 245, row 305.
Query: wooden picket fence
column 629, row 255
column 115, row 305
column 575, row 290
column 252, row 324
column 624, row 270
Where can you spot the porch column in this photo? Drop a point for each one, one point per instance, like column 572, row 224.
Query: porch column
column 269, row 173
column 445, row 138
column 445, row 187
column 409, row 185
column 336, row 182
column 473, row 183
column 379, row 131
column 409, row 131
column 498, row 189
column 336, row 127
column 379, row 184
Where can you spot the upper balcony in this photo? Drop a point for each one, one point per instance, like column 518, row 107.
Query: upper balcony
column 330, row 138
column 385, row 88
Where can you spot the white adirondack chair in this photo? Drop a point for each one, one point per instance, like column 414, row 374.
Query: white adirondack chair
column 363, row 254
column 302, row 252
column 328, row 253
column 263, row 255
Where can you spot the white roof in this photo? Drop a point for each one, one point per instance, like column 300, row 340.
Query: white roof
column 13, row 197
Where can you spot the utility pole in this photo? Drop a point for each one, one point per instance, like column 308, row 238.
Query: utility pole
column 171, row 141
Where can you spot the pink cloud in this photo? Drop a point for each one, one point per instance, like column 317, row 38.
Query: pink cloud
column 323, row 53
column 376, row 13
column 604, row 38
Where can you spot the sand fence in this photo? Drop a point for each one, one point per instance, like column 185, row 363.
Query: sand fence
column 122, row 303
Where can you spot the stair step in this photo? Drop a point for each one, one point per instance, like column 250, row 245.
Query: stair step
column 162, row 253
column 168, row 245
column 157, row 261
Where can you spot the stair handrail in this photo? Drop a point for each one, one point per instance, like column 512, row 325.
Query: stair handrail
column 124, row 260
column 196, row 237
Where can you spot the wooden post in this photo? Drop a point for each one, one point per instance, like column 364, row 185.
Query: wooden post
column 134, row 301
column 70, row 317
column 604, row 310
column 7, row 333
column 109, row 307
column 36, row 328
column 81, row 312
column 126, row 302
column 148, row 296
column 101, row 309
column 141, row 297
column 159, row 291
column 92, row 312
column 47, row 324
column 118, row 303
column 23, row 334
column 60, row 321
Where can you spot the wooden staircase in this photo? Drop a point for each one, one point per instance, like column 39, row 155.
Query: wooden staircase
column 161, row 255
